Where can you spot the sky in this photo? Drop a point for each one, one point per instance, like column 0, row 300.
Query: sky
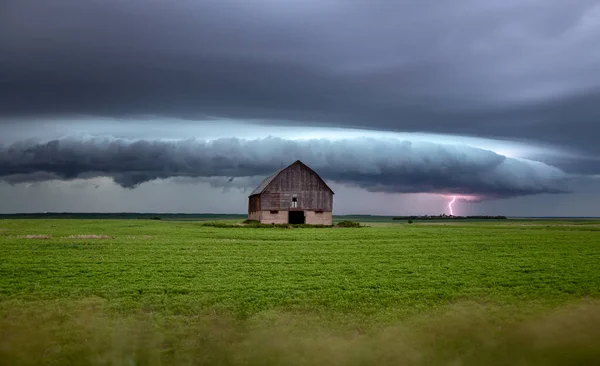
column 185, row 106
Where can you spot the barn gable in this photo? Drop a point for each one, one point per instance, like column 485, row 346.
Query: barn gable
column 273, row 177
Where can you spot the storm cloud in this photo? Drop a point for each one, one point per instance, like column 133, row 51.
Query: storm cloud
column 512, row 69
column 482, row 98
column 377, row 165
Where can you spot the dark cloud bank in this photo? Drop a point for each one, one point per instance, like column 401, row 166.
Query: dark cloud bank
column 512, row 69
column 378, row 165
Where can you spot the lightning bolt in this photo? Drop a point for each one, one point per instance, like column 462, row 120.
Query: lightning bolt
column 450, row 205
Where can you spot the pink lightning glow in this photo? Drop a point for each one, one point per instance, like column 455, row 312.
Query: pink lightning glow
column 450, row 205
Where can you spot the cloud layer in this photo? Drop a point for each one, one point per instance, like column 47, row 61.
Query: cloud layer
column 512, row 69
column 378, row 165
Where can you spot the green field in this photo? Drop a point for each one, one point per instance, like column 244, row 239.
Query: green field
column 145, row 292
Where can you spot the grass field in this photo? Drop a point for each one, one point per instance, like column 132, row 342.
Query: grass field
column 143, row 292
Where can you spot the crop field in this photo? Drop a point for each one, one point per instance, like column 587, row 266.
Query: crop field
column 151, row 292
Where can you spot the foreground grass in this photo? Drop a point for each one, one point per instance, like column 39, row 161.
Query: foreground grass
column 148, row 292
column 82, row 333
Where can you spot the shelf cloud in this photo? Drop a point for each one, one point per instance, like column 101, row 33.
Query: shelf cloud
column 504, row 94
column 377, row 165
column 513, row 70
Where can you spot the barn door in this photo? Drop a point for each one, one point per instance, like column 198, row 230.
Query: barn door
column 295, row 217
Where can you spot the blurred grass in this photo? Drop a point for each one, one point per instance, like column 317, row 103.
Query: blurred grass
column 83, row 333
column 153, row 292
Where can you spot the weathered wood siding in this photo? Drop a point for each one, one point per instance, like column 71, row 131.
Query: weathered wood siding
column 300, row 182
column 254, row 204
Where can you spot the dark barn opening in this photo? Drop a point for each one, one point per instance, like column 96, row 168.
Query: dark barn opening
column 296, row 217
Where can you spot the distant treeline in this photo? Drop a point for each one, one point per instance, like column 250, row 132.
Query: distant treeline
column 448, row 217
column 123, row 215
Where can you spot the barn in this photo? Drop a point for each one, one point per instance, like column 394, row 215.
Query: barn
column 292, row 195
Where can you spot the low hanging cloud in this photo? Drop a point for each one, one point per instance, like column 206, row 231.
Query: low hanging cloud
column 496, row 69
column 377, row 165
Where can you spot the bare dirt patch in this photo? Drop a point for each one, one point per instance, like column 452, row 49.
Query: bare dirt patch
column 35, row 236
column 90, row 237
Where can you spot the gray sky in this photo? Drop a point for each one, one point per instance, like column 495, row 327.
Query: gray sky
column 106, row 105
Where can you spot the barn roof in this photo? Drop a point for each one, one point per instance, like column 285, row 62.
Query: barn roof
column 261, row 187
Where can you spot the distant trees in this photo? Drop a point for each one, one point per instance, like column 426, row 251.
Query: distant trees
column 447, row 217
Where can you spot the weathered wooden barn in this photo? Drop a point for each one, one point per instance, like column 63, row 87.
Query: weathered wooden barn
column 292, row 195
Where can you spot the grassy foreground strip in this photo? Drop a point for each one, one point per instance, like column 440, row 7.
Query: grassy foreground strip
column 83, row 333
column 163, row 292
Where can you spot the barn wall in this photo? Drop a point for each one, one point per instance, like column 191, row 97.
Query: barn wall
column 298, row 180
column 266, row 217
column 281, row 217
column 318, row 218
column 254, row 216
column 254, row 204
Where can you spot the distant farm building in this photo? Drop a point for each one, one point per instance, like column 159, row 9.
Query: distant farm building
column 292, row 195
